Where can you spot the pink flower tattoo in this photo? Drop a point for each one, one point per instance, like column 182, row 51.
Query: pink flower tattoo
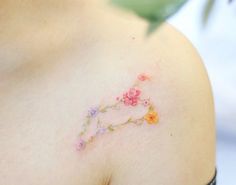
column 143, row 77
column 146, row 102
column 80, row 145
column 131, row 97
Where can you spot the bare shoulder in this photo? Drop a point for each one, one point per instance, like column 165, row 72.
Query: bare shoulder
column 180, row 149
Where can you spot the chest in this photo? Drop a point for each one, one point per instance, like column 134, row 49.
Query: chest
column 38, row 127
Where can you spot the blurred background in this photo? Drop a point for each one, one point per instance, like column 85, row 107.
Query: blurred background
column 216, row 43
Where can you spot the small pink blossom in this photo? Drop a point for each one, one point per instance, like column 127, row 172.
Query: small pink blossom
column 131, row 97
column 143, row 77
column 146, row 102
column 80, row 145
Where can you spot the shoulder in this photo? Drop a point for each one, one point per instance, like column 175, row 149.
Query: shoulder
column 182, row 145
column 180, row 149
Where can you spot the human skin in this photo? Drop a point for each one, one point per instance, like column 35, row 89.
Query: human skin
column 59, row 58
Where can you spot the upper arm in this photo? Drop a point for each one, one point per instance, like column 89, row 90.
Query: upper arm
column 181, row 148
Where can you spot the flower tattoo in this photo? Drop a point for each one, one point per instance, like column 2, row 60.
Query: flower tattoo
column 92, row 112
column 143, row 77
column 80, row 145
column 131, row 98
column 151, row 117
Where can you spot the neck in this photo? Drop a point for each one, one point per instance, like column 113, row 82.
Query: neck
column 33, row 31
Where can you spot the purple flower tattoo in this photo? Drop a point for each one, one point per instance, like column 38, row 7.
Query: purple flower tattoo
column 101, row 131
column 93, row 112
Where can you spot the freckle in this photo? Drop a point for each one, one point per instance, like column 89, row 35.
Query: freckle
column 171, row 134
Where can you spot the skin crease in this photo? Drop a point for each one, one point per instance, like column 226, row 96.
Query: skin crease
column 58, row 58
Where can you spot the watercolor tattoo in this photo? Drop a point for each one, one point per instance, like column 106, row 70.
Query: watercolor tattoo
column 131, row 98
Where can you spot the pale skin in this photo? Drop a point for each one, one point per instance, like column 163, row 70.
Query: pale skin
column 58, row 58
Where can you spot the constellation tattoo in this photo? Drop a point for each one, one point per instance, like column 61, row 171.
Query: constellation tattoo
column 131, row 98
